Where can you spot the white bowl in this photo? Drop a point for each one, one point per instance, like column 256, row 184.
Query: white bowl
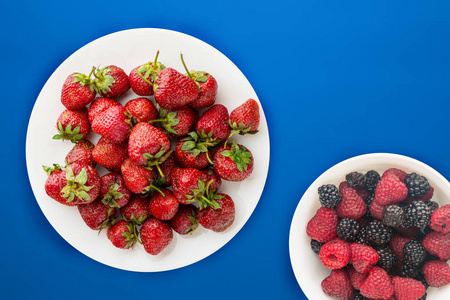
column 307, row 267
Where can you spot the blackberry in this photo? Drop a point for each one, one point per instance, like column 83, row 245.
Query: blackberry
column 356, row 180
column 394, row 216
column 372, row 179
column 417, row 185
column 357, row 296
column 387, row 259
column 422, row 279
column 378, row 233
column 432, row 205
column 368, row 201
column 362, row 237
column 409, row 271
column 348, row 229
column 316, row 246
column 418, row 214
column 329, row 195
column 423, row 297
column 414, row 253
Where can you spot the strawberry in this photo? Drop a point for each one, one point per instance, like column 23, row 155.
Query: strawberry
column 155, row 235
column 220, row 218
column 322, row 227
column 99, row 105
column 390, row 190
column 436, row 273
column 440, row 219
column 73, row 125
column 163, row 205
column 335, row 254
column 111, row 81
column 378, row 285
column 80, row 184
column 97, row 215
column 110, row 155
column 189, row 154
column 437, row 244
column 113, row 124
column 185, row 220
column 233, row 162
column 136, row 210
column 53, row 183
column 142, row 78
column 137, row 178
column 172, row 89
column 245, row 118
column 113, row 191
column 82, row 153
column 178, row 122
column 352, row 204
column 337, row 285
column 213, row 125
column 166, row 168
column 363, row 257
column 77, row 91
column 122, row 234
column 141, row 110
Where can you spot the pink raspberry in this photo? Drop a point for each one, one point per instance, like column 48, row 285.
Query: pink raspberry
column 438, row 244
column 352, row 205
column 395, row 171
column 356, row 278
column 335, row 254
column 323, row 226
column 378, row 285
column 440, row 219
column 363, row 257
column 437, row 273
column 376, row 210
column 408, row 288
column 390, row 190
column 338, row 285
column 397, row 243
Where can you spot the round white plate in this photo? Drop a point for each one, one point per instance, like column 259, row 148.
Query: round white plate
column 306, row 265
column 128, row 49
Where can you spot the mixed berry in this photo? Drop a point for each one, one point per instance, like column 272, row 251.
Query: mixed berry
column 382, row 236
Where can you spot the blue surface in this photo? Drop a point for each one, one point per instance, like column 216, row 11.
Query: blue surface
column 335, row 80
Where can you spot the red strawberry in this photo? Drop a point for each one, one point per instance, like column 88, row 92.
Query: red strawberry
column 137, row 178
column 141, row 110
column 440, row 219
column 155, row 236
column 143, row 77
column 390, row 190
column 178, row 122
column 213, row 125
column 80, row 184
column 122, row 234
column 189, row 154
column 113, row 190
column 73, row 125
column 363, row 257
column 245, row 118
column 82, row 153
column 233, row 162
column 338, row 285
column 212, row 179
column 173, row 89
column 136, row 210
column 110, row 155
column 208, row 89
column 53, row 183
column 352, row 204
column 407, row 288
column 97, row 215
column 77, row 91
column 397, row 172
column 185, row 220
column 322, row 226
column 437, row 273
column 335, row 254
column 166, row 168
column 356, row 278
column 113, row 124
column 99, row 105
column 378, row 285
column 111, row 81
column 438, row 244
column 163, row 205
column 218, row 219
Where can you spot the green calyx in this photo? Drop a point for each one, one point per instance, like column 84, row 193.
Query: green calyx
column 148, row 72
column 50, row 170
column 112, row 195
column 130, row 236
column 68, row 133
column 190, row 230
column 199, row 76
column 239, row 155
column 193, row 144
column 204, row 196
column 108, row 222
column 103, row 81
column 84, row 80
column 76, row 186
column 167, row 119
column 157, row 159
column 240, row 128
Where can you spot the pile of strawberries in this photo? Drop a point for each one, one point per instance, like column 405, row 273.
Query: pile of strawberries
column 381, row 236
column 165, row 159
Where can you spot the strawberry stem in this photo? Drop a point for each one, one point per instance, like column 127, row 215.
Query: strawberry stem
column 156, row 58
column 158, row 190
column 209, row 159
column 184, row 65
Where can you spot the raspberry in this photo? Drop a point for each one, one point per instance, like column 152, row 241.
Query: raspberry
column 338, row 285
column 322, row 227
column 418, row 214
column 395, row 171
column 329, row 195
column 376, row 210
column 335, row 254
column 363, row 257
column 437, row 244
column 414, row 253
column 393, row 215
column 386, row 259
column 436, row 273
column 356, row 278
column 378, row 285
column 352, row 204
column 372, row 179
column 356, row 180
column 390, row 190
column 347, row 229
column 407, row 288
column 417, row 185
column 316, row 246
column 378, row 233
column 397, row 243
column 440, row 219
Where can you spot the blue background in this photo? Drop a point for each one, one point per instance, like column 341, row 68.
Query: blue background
column 336, row 79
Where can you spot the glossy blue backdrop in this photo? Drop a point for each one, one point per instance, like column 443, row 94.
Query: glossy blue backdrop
column 336, row 79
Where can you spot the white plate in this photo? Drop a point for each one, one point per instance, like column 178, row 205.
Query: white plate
column 307, row 267
column 128, row 49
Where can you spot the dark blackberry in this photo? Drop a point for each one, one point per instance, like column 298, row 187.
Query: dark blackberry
column 418, row 214
column 387, row 259
column 357, row 296
column 423, row 297
column 394, row 216
column 432, row 205
column 372, row 179
column 378, row 233
column 329, row 195
column 414, row 253
column 356, row 180
column 368, row 201
column 316, row 246
column 348, row 229
column 417, row 185
column 409, row 271
column 362, row 237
